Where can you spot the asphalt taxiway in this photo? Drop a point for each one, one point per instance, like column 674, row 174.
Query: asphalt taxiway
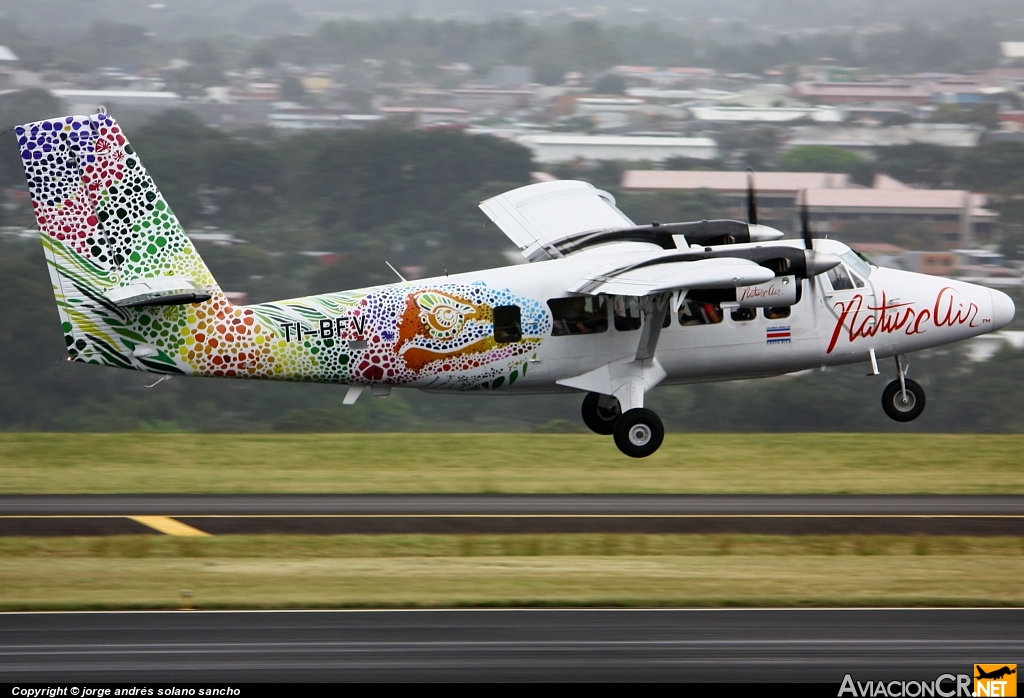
column 713, row 645
column 60, row 515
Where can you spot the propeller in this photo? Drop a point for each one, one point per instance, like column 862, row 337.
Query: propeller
column 755, row 231
column 816, row 262
column 808, row 238
column 751, row 198
column 805, row 222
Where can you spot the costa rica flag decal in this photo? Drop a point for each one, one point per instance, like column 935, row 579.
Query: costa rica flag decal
column 780, row 334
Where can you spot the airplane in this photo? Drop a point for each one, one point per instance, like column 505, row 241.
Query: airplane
column 994, row 674
column 605, row 307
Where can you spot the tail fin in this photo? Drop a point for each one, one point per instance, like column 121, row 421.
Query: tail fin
column 111, row 241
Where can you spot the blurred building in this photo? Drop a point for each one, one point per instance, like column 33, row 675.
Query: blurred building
column 136, row 101
column 427, row 117
column 956, row 218
column 777, row 192
column 492, row 100
column 889, row 92
column 559, row 147
column 934, row 263
column 865, row 139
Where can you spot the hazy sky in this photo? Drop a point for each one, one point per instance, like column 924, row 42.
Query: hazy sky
column 269, row 17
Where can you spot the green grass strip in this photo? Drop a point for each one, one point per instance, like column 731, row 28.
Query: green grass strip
column 510, row 463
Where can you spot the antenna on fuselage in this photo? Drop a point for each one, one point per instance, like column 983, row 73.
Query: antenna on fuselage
column 404, row 280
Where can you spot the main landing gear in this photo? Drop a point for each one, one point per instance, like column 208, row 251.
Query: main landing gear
column 637, row 432
column 903, row 399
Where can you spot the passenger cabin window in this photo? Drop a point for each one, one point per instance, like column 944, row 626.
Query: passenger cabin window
column 693, row 312
column 743, row 314
column 508, row 324
column 840, row 278
column 777, row 313
column 626, row 311
column 578, row 315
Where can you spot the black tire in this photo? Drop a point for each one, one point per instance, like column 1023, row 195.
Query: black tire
column 892, row 401
column 639, row 433
column 598, row 419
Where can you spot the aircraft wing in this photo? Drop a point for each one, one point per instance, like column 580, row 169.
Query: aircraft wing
column 655, row 275
column 539, row 216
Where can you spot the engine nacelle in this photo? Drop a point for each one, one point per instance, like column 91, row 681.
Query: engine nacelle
column 780, row 291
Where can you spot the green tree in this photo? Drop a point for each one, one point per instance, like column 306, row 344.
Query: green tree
column 673, row 207
column 986, row 115
column 261, row 56
column 370, row 179
column 112, row 34
column 992, row 166
column 919, row 164
column 353, row 270
column 820, row 158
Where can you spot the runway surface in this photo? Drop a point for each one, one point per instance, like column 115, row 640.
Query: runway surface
column 725, row 645
column 58, row 515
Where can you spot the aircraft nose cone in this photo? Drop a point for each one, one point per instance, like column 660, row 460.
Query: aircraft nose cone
column 1003, row 309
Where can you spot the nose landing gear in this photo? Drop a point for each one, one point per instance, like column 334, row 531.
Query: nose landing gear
column 638, row 432
column 903, row 399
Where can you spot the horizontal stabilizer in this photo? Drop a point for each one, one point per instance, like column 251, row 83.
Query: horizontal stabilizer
column 653, row 277
column 160, row 290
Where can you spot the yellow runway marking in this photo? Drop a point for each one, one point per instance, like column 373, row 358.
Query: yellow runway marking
column 166, row 524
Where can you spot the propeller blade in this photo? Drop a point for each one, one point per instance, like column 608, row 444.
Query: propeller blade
column 814, row 299
column 751, row 198
column 805, row 222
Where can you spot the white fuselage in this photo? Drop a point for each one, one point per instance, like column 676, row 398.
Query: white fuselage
column 888, row 311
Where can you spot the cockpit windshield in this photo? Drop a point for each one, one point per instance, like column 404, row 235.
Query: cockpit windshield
column 856, row 263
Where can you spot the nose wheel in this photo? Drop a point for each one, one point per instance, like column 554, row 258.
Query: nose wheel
column 903, row 405
column 903, row 399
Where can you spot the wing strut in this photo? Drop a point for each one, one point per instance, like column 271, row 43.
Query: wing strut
column 654, row 308
column 628, row 379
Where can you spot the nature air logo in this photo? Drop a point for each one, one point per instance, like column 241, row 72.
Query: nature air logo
column 995, row 680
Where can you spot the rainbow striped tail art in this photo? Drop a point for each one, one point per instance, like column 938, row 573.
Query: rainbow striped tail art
column 132, row 291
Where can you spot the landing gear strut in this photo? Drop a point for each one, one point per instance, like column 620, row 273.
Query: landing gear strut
column 903, row 399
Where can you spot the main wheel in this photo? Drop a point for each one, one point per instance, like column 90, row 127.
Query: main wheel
column 600, row 420
column 639, row 432
column 899, row 409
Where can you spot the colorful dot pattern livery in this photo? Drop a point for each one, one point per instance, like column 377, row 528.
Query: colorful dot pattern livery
column 105, row 225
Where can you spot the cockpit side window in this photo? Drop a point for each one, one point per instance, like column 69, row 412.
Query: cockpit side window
column 856, row 263
column 839, row 278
